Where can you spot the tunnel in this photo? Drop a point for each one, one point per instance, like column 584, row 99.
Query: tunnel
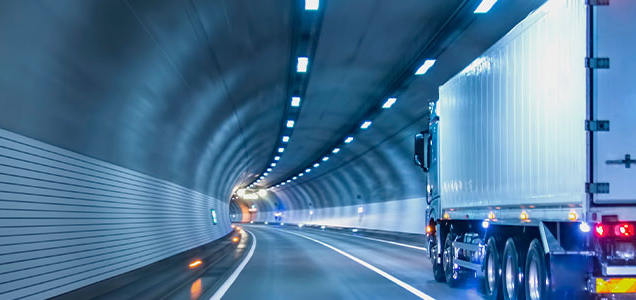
column 243, row 149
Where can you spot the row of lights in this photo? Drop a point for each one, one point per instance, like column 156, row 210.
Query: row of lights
column 366, row 124
column 483, row 7
column 302, row 65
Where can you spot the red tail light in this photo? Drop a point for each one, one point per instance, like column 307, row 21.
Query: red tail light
column 600, row 230
column 624, row 230
column 614, row 230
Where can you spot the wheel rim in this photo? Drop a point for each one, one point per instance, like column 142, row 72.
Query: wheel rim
column 533, row 281
column 447, row 257
column 510, row 278
column 492, row 279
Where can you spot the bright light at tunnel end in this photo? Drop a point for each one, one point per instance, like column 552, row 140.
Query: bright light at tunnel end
column 485, row 6
column 425, row 66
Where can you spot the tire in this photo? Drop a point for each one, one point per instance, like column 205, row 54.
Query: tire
column 512, row 267
column 438, row 268
column 492, row 270
column 450, row 272
column 536, row 286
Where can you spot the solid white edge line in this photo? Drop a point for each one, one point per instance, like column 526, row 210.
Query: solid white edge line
column 369, row 266
column 390, row 242
column 230, row 280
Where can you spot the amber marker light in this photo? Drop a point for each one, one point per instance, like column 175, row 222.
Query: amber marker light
column 491, row 215
column 572, row 216
column 195, row 264
column 523, row 216
column 235, row 239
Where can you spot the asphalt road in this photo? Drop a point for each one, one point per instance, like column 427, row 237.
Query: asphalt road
column 294, row 263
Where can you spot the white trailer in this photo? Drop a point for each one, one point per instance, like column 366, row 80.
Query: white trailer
column 530, row 156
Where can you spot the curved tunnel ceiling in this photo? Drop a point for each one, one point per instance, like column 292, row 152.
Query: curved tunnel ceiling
column 194, row 92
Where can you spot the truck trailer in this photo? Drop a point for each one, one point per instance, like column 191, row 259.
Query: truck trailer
column 531, row 182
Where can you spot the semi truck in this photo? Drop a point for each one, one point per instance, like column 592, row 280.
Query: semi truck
column 530, row 156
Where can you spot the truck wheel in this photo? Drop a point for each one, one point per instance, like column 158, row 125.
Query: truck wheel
column 492, row 270
column 448, row 259
column 512, row 271
column 438, row 271
column 536, row 272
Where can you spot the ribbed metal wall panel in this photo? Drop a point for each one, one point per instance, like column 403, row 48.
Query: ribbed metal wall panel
column 67, row 220
column 512, row 123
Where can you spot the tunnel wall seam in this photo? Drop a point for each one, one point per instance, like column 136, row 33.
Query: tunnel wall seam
column 68, row 220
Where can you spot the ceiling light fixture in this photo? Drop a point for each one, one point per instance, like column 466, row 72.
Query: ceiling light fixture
column 295, row 102
column 312, row 4
column 301, row 66
column 483, row 7
column 389, row 102
column 425, row 66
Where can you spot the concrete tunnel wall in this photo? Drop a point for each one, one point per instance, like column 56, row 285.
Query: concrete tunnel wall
column 121, row 127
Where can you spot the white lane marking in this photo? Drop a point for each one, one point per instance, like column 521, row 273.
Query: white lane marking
column 369, row 266
column 230, row 280
column 390, row 242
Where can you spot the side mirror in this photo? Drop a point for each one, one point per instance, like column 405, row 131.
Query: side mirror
column 421, row 150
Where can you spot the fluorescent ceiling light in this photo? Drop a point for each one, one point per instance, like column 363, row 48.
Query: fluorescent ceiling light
column 316, row 165
column 301, row 174
column 301, row 66
column 282, row 183
column 285, row 139
column 276, row 157
column 288, row 180
column 290, row 123
column 335, row 150
column 389, row 102
column 312, row 4
column 365, row 125
column 425, row 66
column 295, row 101
column 281, row 150
column 273, row 164
column 269, row 169
column 483, row 7
column 265, row 174
column 308, row 170
column 348, row 140
column 326, row 158
column 295, row 177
